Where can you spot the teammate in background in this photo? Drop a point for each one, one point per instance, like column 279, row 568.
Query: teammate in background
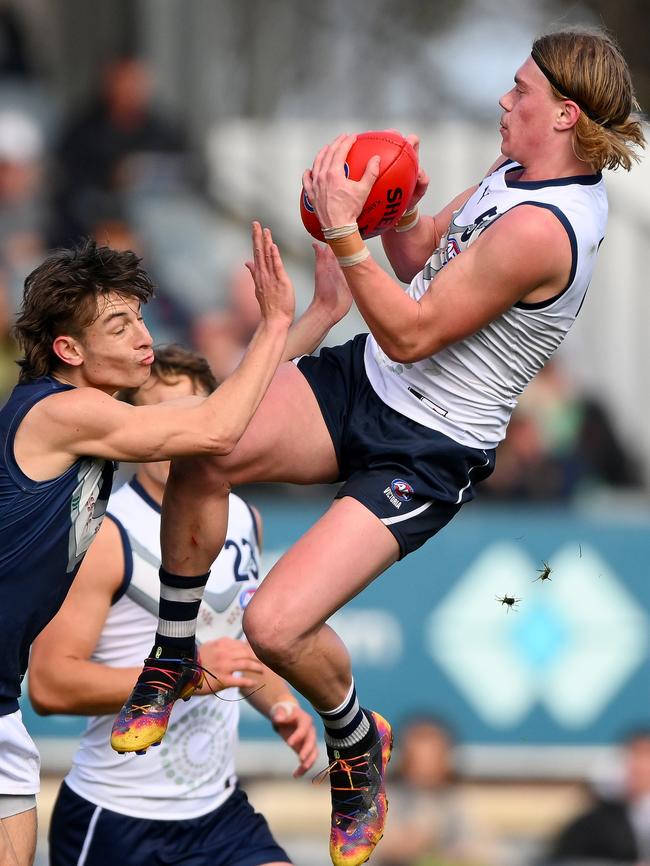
column 410, row 415
column 83, row 338
column 184, row 799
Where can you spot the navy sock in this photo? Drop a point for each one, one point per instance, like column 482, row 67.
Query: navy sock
column 348, row 730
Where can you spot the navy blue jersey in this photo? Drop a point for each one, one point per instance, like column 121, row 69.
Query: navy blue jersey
column 45, row 530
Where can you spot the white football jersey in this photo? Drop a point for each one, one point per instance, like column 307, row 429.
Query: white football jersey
column 469, row 389
column 192, row 771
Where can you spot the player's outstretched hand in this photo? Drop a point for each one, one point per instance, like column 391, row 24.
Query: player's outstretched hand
column 331, row 291
column 337, row 200
column 296, row 728
column 232, row 662
column 273, row 288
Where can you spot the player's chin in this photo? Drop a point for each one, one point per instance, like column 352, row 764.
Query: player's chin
column 143, row 373
column 137, row 376
column 507, row 151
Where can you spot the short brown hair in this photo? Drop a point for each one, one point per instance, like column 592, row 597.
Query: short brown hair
column 588, row 67
column 172, row 361
column 61, row 296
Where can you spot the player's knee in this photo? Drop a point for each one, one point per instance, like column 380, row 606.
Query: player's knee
column 272, row 644
column 201, row 474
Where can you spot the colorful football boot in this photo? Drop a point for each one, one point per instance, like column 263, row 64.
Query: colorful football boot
column 143, row 720
column 359, row 803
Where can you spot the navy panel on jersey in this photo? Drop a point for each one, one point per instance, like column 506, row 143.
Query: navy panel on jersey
column 45, row 528
column 413, row 478
column 232, row 835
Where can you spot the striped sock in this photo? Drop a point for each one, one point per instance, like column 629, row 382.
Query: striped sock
column 180, row 599
column 347, row 727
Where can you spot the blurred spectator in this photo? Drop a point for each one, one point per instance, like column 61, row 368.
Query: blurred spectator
column 616, row 829
column 222, row 336
column 14, row 58
column 119, row 143
column 560, row 444
column 167, row 320
column 22, row 205
column 428, row 824
column 525, row 470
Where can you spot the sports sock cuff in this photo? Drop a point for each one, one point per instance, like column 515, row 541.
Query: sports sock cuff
column 179, row 581
column 343, row 707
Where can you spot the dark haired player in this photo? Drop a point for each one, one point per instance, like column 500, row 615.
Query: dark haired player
column 83, row 337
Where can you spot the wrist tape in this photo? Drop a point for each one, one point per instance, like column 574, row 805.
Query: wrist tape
column 408, row 221
column 287, row 705
column 347, row 244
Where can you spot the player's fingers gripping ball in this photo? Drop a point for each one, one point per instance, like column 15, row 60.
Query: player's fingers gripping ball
column 390, row 193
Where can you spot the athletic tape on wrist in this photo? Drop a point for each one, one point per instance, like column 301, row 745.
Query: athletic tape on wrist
column 347, row 246
column 408, row 221
column 355, row 259
column 288, row 706
column 336, row 232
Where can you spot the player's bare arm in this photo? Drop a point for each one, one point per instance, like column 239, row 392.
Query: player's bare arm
column 331, row 302
column 408, row 251
column 62, row 679
column 88, row 421
column 525, row 255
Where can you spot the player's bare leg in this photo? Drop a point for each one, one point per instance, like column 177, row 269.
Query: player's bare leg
column 285, row 623
column 286, row 440
column 330, row 564
column 18, row 839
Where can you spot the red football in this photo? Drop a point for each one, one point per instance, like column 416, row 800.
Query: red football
column 391, row 192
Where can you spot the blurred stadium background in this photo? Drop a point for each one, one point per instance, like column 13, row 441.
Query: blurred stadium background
column 166, row 126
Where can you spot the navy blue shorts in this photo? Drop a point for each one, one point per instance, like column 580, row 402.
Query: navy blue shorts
column 412, row 478
column 232, row 835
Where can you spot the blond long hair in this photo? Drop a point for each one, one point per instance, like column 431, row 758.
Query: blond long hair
column 587, row 67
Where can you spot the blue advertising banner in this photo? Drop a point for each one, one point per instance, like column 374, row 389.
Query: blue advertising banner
column 567, row 664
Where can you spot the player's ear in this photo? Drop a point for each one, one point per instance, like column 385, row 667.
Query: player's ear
column 68, row 350
column 567, row 115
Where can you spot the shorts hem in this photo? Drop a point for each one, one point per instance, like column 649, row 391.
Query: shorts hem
column 16, row 804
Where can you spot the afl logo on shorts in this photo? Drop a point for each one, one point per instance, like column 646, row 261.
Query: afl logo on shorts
column 245, row 597
column 402, row 489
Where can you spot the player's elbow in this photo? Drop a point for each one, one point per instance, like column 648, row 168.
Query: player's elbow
column 221, row 444
column 398, row 354
column 405, row 351
column 216, row 437
column 412, row 345
column 43, row 697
